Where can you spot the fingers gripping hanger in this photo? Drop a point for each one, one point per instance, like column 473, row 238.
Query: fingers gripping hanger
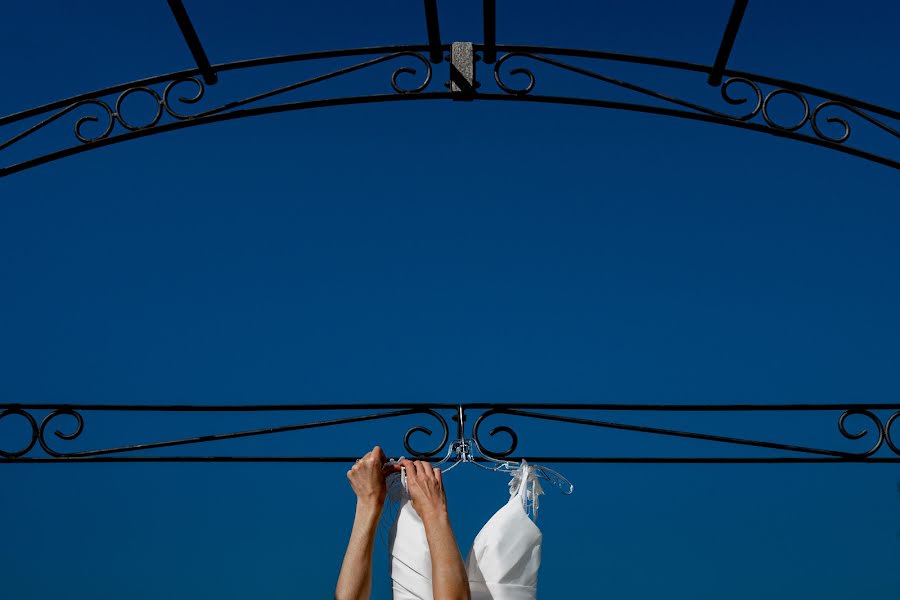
column 461, row 451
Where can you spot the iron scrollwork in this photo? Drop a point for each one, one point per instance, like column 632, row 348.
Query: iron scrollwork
column 513, row 438
column 111, row 112
column 760, row 105
column 42, row 432
column 522, row 91
column 39, row 434
column 440, row 446
column 33, row 433
column 880, row 433
column 820, row 111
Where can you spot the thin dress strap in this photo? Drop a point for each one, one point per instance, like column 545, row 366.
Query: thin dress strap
column 525, row 469
column 525, row 473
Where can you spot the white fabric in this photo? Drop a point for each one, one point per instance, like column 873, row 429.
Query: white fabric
column 502, row 563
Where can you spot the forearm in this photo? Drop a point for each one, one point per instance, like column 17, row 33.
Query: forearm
column 448, row 573
column 355, row 579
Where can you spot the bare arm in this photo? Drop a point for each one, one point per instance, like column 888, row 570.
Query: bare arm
column 367, row 480
column 448, row 573
column 355, row 579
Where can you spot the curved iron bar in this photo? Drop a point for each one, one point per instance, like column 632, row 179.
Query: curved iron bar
column 39, row 433
column 881, row 435
column 234, row 109
column 221, row 67
column 888, row 435
column 34, row 432
column 162, row 101
column 513, row 438
column 300, row 84
column 624, row 84
column 698, row 116
column 681, row 65
column 761, row 105
column 427, row 431
column 355, row 100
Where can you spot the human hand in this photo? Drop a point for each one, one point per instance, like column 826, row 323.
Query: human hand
column 426, row 488
column 367, row 477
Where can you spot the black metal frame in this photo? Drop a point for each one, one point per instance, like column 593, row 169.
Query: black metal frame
column 462, row 84
column 39, row 432
column 728, row 37
column 193, row 41
column 821, row 115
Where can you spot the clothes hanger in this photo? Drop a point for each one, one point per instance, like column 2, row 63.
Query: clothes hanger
column 462, row 448
column 554, row 477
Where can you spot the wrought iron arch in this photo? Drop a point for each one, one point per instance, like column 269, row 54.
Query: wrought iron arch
column 100, row 120
column 823, row 119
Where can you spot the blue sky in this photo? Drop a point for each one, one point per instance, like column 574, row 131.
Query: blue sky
column 444, row 252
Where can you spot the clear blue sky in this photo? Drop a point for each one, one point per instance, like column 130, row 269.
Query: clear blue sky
column 443, row 252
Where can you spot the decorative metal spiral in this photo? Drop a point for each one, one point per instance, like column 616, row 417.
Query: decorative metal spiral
column 140, row 89
column 164, row 103
column 167, row 104
column 814, row 122
column 736, row 101
column 100, row 120
column 110, row 120
column 762, row 103
column 514, row 439
column 862, row 433
column 415, row 90
column 517, row 71
column 34, row 432
column 846, row 126
column 65, row 436
column 725, row 89
column 39, row 433
column 410, row 432
column 783, row 91
column 812, row 116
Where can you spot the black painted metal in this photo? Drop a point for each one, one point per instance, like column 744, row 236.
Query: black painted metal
column 434, row 31
column 193, row 41
column 167, row 115
column 490, row 31
column 38, row 418
column 728, row 37
column 822, row 115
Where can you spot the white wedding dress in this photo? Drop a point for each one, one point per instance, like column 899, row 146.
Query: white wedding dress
column 502, row 563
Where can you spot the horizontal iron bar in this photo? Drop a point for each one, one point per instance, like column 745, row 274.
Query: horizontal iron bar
column 39, row 432
column 534, row 459
column 449, row 405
